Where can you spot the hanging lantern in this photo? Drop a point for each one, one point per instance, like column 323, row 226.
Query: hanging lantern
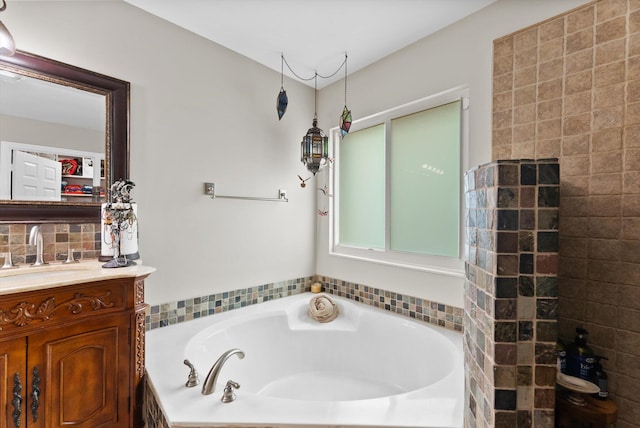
column 345, row 117
column 345, row 121
column 314, row 148
column 315, row 144
column 282, row 101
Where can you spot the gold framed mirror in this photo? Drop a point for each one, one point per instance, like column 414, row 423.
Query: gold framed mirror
column 109, row 165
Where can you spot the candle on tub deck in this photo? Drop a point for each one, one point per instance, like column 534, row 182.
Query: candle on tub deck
column 316, row 287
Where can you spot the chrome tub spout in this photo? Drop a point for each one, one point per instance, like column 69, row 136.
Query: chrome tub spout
column 212, row 377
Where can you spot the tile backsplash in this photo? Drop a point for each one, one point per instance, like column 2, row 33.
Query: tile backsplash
column 83, row 239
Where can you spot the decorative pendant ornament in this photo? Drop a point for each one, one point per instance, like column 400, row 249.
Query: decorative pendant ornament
column 282, row 101
column 345, row 118
column 303, row 180
column 345, row 121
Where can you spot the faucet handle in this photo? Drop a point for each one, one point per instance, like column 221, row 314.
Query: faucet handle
column 228, row 396
column 193, row 375
column 8, row 262
column 70, row 257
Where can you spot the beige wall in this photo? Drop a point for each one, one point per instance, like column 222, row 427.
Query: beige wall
column 199, row 112
column 29, row 131
column 568, row 88
column 458, row 55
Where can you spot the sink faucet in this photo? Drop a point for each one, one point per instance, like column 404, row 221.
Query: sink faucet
column 35, row 238
column 210, row 381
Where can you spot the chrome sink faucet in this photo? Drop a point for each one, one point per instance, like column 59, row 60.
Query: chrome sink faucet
column 35, row 238
column 212, row 377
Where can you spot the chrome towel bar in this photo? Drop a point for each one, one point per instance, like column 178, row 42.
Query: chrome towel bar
column 210, row 190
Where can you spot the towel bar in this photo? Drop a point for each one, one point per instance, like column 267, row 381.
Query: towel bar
column 210, row 190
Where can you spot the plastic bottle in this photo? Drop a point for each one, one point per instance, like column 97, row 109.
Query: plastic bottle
column 600, row 378
column 562, row 356
column 580, row 358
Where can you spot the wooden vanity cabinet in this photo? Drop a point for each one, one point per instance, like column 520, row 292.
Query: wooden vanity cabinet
column 73, row 355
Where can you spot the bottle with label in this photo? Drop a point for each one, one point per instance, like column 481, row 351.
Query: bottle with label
column 580, row 358
column 562, row 356
column 600, row 378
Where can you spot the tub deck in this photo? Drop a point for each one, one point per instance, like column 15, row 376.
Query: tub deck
column 333, row 400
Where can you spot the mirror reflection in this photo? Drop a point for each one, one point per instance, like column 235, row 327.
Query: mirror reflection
column 52, row 141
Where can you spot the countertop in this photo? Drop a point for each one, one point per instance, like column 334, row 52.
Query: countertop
column 57, row 274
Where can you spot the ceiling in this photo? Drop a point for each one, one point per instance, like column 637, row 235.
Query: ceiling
column 31, row 98
column 313, row 35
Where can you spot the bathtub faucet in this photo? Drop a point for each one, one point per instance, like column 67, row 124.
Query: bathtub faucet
column 212, row 377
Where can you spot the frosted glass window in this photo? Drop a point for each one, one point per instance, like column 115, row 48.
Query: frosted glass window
column 397, row 183
column 362, row 188
column 425, row 181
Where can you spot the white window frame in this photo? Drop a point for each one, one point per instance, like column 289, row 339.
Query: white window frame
column 449, row 266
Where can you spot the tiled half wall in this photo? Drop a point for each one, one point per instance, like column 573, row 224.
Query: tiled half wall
column 510, row 304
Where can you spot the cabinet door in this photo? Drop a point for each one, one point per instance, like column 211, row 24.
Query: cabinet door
column 84, row 372
column 13, row 383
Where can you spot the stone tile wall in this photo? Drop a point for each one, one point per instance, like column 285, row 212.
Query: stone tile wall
column 569, row 88
column 83, row 239
column 510, row 307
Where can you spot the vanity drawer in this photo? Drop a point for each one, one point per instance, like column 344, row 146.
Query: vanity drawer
column 21, row 313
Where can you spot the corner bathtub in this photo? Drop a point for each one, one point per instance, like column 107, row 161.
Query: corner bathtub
column 368, row 367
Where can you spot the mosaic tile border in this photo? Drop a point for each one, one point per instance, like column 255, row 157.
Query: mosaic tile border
column 449, row 317
column 179, row 311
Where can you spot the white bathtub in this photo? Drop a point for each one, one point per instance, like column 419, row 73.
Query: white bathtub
column 368, row 367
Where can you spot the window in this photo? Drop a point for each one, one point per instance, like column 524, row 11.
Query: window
column 397, row 185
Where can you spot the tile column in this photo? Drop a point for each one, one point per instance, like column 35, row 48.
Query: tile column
column 510, row 307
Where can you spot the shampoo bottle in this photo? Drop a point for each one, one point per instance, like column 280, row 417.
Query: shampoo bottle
column 580, row 358
column 600, row 378
column 562, row 356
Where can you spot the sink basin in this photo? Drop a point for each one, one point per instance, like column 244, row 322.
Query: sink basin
column 46, row 270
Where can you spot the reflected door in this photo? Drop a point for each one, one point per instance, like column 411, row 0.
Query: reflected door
column 35, row 178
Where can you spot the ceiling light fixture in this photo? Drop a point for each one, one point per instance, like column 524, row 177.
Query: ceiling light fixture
column 315, row 144
column 7, row 45
column 314, row 147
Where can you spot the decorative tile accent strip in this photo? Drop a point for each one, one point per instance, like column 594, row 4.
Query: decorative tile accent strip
column 439, row 314
column 165, row 314
column 184, row 310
